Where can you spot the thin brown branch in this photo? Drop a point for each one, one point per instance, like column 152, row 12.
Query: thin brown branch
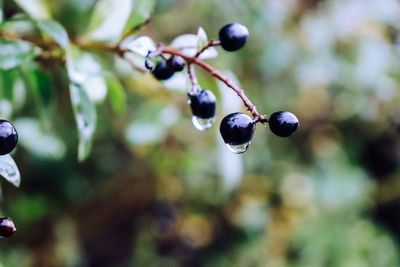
column 98, row 47
column 39, row 42
column 193, row 78
column 208, row 45
column 193, row 60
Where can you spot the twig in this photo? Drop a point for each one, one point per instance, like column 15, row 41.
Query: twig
column 208, row 45
column 161, row 49
column 193, row 79
column 193, row 60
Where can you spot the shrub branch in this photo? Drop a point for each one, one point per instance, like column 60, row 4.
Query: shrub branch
column 161, row 50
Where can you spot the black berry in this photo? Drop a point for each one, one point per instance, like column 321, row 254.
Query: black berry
column 8, row 137
column 237, row 129
column 176, row 63
column 233, row 36
column 7, row 227
column 162, row 72
column 283, row 123
column 203, row 104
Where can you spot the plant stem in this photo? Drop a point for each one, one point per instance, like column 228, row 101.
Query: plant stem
column 193, row 79
column 208, row 45
column 191, row 60
column 214, row 72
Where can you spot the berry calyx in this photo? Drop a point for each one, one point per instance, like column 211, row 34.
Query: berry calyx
column 233, row 36
column 203, row 104
column 176, row 63
column 8, row 137
column 237, row 130
column 162, row 71
column 7, row 227
column 283, row 123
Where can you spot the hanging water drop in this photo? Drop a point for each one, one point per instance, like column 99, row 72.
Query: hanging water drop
column 202, row 124
column 202, row 103
column 239, row 149
column 237, row 131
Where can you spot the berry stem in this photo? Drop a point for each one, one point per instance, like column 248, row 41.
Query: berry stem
column 193, row 78
column 208, row 45
column 213, row 72
column 133, row 65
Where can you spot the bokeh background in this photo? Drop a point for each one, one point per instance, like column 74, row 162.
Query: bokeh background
column 156, row 192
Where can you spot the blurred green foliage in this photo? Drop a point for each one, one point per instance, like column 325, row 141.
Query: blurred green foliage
column 156, row 192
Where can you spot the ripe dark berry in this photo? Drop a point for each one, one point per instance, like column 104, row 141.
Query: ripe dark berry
column 237, row 130
column 8, row 137
column 162, row 72
column 176, row 63
column 283, row 123
column 148, row 65
column 7, row 227
column 203, row 104
column 233, row 36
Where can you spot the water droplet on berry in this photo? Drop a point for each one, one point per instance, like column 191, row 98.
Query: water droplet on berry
column 202, row 124
column 238, row 149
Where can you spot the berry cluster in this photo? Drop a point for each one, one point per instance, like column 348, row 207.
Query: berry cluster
column 166, row 68
column 237, row 128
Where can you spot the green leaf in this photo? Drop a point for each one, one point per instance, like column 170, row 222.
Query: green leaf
column 202, row 39
column 139, row 46
column 141, row 11
column 80, row 64
column 40, row 84
column 14, row 53
column 20, row 26
column 85, row 116
column 192, row 43
column 55, row 30
column 116, row 94
column 29, row 132
column 9, row 170
column 37, row 9
column 12, row 90
column 85, row 70
column 96, row 88
column 112, row 19
column 188, row 41
column 7, row 80
column 108, row 20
